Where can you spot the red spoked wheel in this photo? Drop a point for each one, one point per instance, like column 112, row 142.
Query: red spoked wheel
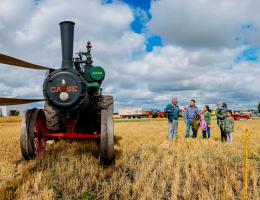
column 32, row 128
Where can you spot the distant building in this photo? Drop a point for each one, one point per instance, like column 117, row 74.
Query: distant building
column 13, row 110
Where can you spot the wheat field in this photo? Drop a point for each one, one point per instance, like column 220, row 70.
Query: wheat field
column 187, row 169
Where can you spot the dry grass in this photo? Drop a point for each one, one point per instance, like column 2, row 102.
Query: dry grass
column 10, row 119
column 189, row 169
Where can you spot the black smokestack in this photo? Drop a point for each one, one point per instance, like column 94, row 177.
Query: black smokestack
column 67, row 36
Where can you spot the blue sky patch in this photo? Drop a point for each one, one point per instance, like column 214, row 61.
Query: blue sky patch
column 152, row 42
column 248, row 26
column 249, row 55
column 141, row 10
column 144, row 4
column 140, row 21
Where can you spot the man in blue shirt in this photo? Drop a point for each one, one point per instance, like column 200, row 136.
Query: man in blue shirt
column 190, row 118
column 173, row 111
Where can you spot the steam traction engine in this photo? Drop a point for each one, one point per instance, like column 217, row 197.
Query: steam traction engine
column 75, row 108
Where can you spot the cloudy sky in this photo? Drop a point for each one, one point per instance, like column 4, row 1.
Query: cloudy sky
column 151, row 50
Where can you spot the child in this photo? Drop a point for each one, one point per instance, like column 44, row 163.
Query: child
column 207, row 118
column 202, row 122
column 229, row 126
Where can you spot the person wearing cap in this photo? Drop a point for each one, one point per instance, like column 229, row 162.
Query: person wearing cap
column 173, row 112
column 221, row 117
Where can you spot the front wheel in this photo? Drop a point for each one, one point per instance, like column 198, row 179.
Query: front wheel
column 33, row 126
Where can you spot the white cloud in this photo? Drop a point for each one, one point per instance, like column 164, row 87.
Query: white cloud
column 204, row 23
column 136, row 78
column 173, row 71
column 35, row 35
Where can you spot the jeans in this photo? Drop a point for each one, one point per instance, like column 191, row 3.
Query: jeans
column 204, row 133
column 229, row 138
column 173, row 127
column 223, row 134
column 188, row 126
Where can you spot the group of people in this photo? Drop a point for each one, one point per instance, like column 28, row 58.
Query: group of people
column 196, row 119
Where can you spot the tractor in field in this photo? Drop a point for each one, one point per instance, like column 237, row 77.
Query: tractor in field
column 74, row 107
column 241, row 116
column 140, row 113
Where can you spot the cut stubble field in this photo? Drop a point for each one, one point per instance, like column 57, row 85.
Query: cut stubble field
column 188, row 169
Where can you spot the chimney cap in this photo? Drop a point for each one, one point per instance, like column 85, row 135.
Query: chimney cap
column 67, row 22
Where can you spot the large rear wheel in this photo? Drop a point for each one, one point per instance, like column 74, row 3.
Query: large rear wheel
column 107, row 153
column 32, row 127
